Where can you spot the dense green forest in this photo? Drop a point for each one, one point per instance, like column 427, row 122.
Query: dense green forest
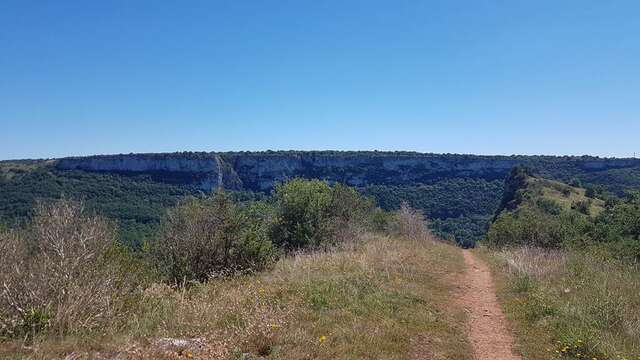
column 136, row 203
column 458, row 207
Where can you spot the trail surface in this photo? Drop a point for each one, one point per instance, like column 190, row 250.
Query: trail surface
column 487, row 325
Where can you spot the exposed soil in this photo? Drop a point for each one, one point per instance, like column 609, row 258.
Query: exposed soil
column 487, row 326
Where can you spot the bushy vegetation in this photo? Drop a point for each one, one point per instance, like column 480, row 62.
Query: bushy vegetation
column 205, row 237
column 63, row 274
column 538, row 212
column 310, row 213
column 66, row 277
column 64, row 270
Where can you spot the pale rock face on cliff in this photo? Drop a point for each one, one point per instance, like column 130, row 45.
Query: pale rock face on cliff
column 201, row 171
column 260, row 171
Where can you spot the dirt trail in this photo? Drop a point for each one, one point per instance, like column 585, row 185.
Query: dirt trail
column 487, row 325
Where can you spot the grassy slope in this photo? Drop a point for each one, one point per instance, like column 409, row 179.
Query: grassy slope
column 576, row 302
column 383, row 298
column 563, row 303
column 553, row 190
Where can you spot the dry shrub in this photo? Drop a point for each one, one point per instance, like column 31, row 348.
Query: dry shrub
column 411, row 224
column 535, row 262
column 55, row 275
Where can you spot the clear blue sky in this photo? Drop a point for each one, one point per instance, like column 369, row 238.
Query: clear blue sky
column 488, row 77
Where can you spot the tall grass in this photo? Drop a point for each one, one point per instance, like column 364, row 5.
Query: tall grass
column 572, row 304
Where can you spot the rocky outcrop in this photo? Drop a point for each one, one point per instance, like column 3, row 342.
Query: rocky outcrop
column 260, row 170
column 201, row 170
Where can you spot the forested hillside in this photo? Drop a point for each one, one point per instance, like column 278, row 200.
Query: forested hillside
column 137, row 203
column 458, row 193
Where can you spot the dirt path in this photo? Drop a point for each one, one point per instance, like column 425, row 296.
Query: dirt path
column 487, row 326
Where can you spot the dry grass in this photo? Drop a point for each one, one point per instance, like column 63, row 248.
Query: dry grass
column 570, row 305
column 378, row 297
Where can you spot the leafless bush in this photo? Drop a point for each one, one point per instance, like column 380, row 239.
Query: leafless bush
column 412, row 224
column 55, row 275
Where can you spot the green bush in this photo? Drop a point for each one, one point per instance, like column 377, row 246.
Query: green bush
column 533, row 227
column 302, row 213
column 204, row 237
column 254, row 248
column 312, row 213
column 381, row 220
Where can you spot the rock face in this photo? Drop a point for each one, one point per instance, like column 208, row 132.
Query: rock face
column 201, row 170
column 260, row 170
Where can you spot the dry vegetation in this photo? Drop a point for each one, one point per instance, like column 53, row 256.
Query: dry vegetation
column 570, row 305
column 375, row 296
column 60, row 274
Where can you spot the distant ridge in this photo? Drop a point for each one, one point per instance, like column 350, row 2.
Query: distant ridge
column 258, row 171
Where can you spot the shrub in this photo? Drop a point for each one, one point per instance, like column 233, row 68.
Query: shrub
column 534, row 228
column 582, row 207
column 302, row 213
column 60, row 274
column 255, row 249
column 549, row 206
column 381, row 220
column 312, row 213
column 203, row 237
column 350, row 213
column 411, row 223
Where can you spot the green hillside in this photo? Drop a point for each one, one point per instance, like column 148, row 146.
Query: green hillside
column 458, row 193
column 136, row 203
column 539, row 212
column 566, row 262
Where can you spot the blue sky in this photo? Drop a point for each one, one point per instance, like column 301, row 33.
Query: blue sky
column 487, row 77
